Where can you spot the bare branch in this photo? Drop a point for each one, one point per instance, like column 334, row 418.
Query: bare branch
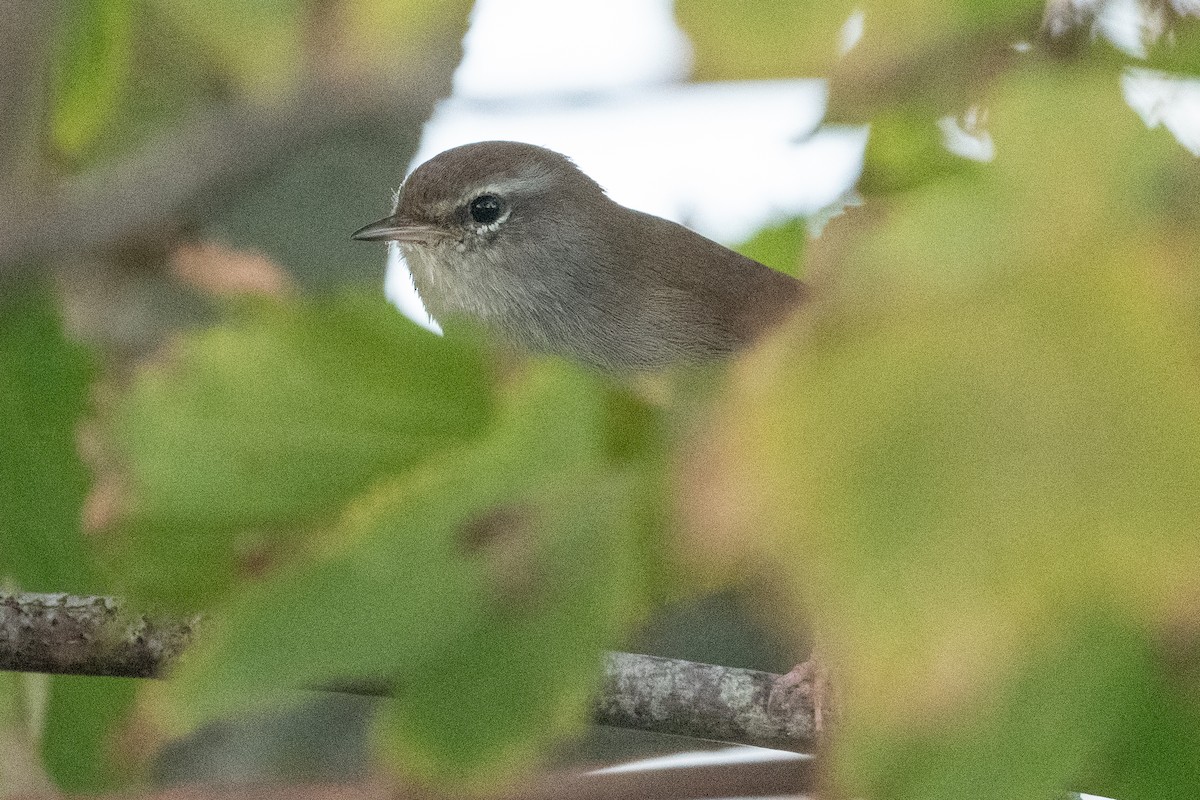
column 169, row 182
column 703, row 701
column 63, row 634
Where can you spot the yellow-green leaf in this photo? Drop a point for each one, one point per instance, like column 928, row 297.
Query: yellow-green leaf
column 979, row 451
column 91, row 71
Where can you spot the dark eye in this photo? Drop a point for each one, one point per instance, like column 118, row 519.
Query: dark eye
column 486, row 209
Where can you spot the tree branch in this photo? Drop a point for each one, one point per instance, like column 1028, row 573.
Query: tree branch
column 69, row 635
column 703, row 701
column 167, row 183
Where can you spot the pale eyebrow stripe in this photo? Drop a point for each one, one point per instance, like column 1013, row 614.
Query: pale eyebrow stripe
column 521, row 184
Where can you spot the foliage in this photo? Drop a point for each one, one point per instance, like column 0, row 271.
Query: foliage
column 43, row 395
column 975, row 456
column 972, row 460
column 124, row 67
column 461, row 580
column 270, row 422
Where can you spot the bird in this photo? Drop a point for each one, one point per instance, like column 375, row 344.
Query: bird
column 518, row 239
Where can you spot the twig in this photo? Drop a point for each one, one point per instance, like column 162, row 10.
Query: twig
column 64, row 634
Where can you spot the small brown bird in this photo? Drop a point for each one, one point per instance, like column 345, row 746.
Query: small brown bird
column 517, row 238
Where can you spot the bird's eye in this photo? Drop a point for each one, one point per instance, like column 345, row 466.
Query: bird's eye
column 486, row 209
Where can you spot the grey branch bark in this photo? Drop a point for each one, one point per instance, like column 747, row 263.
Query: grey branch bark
column 64, row 634
column 704, row 701
column 67, row 635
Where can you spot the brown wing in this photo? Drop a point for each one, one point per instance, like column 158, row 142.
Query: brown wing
column 730, row 293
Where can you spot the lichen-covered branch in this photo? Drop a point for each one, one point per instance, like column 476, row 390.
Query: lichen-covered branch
column 68, row 635
column 63, row 634
column 704, row 701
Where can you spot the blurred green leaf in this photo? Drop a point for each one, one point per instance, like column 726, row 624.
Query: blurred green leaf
column 780, row 246
column 257, row 45
column 762, row 38
column 982, row 450
column 78, row 744
column 1068, row 686
column 905, row 150
column 562, row 584
column 1179, row 51
column 255, row 429
column 176, row 566
column 92, row 70
column 390, row 34
column 44, row 381
column 1157, row 753
column 290, row 410
column 771, row 39
column 489, row 578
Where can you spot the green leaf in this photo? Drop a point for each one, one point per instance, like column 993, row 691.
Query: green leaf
column 44, row 382
column 780, row 246
column 390, row 47
column 257, row 46
column 490, row 578
column 1178, row 52
column 531, row 661
column 1062, row 690
column 177, row 566
column 976, row 459
column 1157, row 751
column 252, row 431
column 533, row 664
column 78, row 745
column 561, row 584
column 92, row 70
column 290, row 410
column 772, row 39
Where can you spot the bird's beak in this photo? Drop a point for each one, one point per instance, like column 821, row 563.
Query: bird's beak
column 398, row 229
